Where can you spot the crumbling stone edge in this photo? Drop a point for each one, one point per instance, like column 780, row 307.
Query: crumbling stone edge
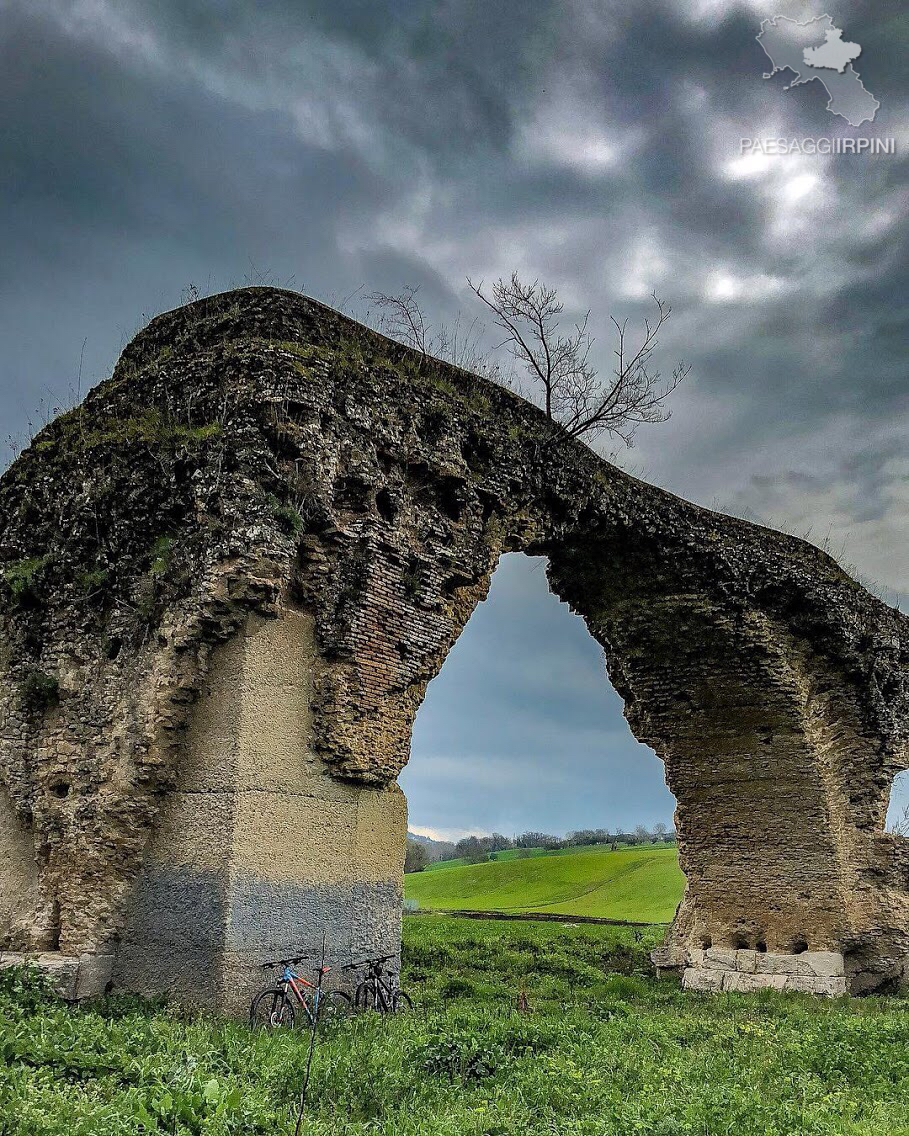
column 717, row 969
column 73, row 977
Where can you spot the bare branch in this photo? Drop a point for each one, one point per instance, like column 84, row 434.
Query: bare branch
column 402, row 318
column 573, row 394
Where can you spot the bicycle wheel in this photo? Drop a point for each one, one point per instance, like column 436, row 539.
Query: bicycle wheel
column 271, row 1009
column 333, row 1005
column 401, row 1002
column 365, row 995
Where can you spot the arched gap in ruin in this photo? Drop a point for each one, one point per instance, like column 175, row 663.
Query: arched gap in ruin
column 522, row 730
column 897, row 822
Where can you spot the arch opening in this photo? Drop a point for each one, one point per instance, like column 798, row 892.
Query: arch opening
column 522, row 733
column 897, row 818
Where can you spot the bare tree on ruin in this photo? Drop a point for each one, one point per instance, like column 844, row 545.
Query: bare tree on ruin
column 575, row 396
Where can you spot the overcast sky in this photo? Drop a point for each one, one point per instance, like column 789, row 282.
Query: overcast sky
column 368, row 144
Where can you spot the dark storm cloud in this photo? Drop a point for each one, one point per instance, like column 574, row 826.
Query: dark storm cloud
column 351, row 146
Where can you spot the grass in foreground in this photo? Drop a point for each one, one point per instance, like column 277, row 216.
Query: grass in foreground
column 623, row 1055
column 639, row 884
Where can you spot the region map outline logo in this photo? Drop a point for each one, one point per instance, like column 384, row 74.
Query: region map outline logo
column 849, row 97
column 816, row 50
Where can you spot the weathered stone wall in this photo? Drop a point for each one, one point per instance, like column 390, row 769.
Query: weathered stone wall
column 255, row 545
column 258, row 850
column 18, row 871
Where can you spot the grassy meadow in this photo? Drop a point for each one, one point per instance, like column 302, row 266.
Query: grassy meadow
column 638, row 884
column 605, row 1050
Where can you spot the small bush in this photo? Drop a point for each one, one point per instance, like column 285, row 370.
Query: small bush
column 456, row 987
column 288, row 518
column 39, row 690
column 21, row 577
column 26, row 987
column 161, row 556
column 93, row 580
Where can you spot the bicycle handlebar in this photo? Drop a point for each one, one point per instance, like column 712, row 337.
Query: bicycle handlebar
column 367, row 962
column 303, row 958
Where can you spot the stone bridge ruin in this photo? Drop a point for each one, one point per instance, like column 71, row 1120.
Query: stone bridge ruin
column 227, row 579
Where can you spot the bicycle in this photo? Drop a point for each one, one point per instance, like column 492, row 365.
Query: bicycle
column 274, row 1006
column 379, row 990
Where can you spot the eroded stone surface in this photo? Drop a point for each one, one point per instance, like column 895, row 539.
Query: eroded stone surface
column 258, row 456
column 73, row 977
column 714, row 980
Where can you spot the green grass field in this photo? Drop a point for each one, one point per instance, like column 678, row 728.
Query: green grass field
column 637, row 884
column 606, row 1050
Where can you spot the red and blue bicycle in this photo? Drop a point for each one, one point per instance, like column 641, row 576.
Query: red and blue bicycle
column 279, row 1005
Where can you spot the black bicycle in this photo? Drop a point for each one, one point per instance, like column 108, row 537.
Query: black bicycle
column 379, row 989
column 275, row 1007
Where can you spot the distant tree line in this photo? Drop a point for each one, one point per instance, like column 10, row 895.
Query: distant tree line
column 478, row 849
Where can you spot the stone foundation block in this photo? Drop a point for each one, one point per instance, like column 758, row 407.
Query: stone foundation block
column 712, row 981
column 93, row 976
column 73, row 977
column 718, row 958
column 746, row 961
column 705, row 981
column 809, row 964
column 803, row 984
column 822, row 964
column 668, row 958
column 61, row 971
column 771, row 963
column 739, row 983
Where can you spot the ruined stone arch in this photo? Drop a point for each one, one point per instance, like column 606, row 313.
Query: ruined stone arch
column 229, row 578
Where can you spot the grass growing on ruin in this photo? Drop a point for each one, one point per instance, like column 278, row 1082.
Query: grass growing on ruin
column 620, row 1054
column 637, row 884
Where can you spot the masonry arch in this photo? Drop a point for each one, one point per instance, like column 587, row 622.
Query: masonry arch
column 300, row 517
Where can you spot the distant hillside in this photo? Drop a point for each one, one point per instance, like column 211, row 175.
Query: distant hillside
column 435, row 849
column 642, row 884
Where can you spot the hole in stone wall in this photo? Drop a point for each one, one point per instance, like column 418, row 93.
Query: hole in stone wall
column 450, row 497
column 761, row 947
column 412, row 576
column 60, row 789
column 799, row 946
column 488, row 502
column 434, row 423
column 386, row 506
column 897, row 821
column 521, row 732
column 706, row 942
column 53, row 931
column 476, row 452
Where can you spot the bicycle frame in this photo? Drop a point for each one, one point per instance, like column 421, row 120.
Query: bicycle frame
column 291, row 978
column 382, row 992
